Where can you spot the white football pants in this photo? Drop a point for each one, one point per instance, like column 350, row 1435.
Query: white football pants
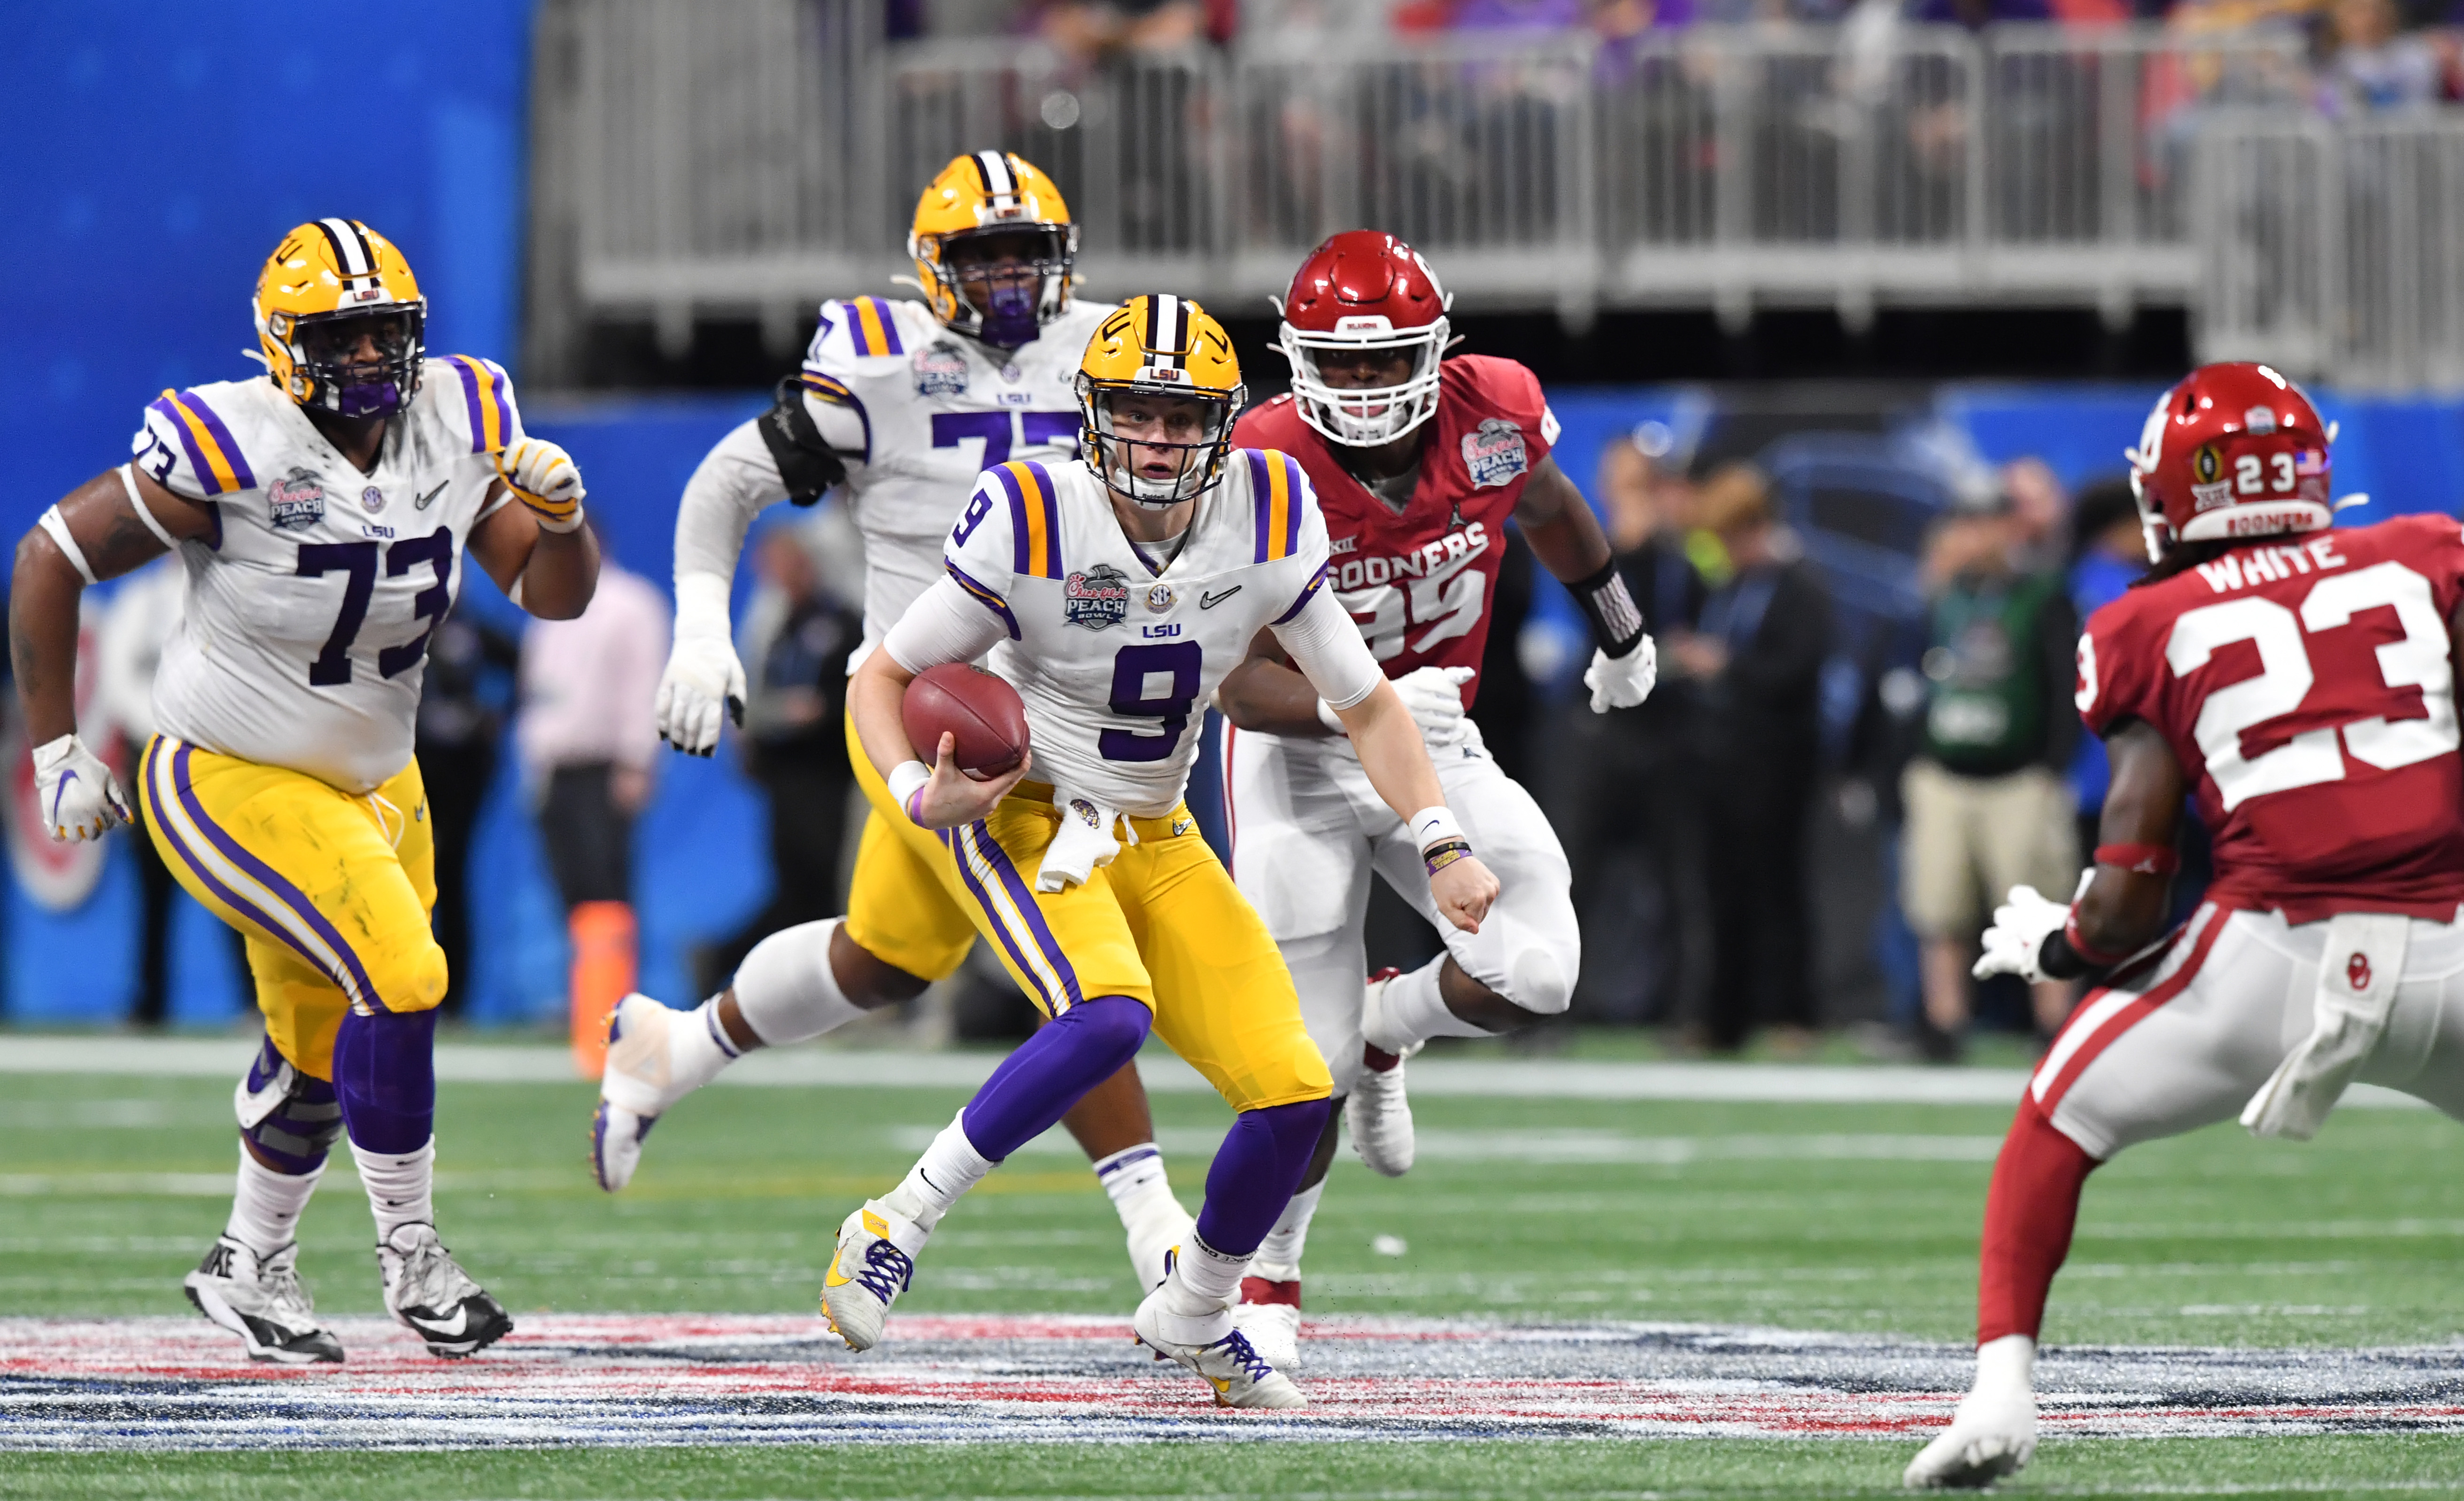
column 2187, row 1043
column 1306, row 829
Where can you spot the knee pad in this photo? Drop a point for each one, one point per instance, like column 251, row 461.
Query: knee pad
column 785, row 989
column 288, row 1119
column 1540, row 982
column 413, row 979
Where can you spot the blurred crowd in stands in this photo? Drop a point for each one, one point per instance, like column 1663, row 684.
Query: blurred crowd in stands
column 2369, row 54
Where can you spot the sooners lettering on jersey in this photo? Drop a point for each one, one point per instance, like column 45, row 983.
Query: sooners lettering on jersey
column 2306, row 682
column 1420, row 583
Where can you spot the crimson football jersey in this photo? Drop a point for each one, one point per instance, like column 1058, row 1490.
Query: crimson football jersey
column 1420, row 583
column 2306, row 681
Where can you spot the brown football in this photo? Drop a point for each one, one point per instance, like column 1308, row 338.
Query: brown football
column 965, row 701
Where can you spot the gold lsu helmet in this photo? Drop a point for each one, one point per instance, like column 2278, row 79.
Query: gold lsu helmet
column 979, row 196
column 330, row 282
column 1160, row 345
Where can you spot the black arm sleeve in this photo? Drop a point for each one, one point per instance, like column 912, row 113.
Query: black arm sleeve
column 1616, row 622
column 808, row 464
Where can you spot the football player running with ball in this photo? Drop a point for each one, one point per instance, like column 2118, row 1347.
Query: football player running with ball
column 322, row 513
column 2300, row 683
column 1419, row 463
column 1114, row 594
column 904, row 403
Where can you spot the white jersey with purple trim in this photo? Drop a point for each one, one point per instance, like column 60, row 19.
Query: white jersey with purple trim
column 1114, row 659
column 304, row 636
column 936, row 410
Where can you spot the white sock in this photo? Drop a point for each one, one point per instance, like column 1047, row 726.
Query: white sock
column 266, row 1208
column 1411, row 1010
column 2007, row 1365
column 948, row 1168
column 1279, row 1255
column 1206, row 1275
column 699, row 1047
column 785, row 989
column 1136, row 1179
column 400, row 1186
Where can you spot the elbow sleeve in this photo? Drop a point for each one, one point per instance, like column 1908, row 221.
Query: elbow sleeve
column 735, row 481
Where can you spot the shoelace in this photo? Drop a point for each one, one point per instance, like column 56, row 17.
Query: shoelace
column 887, row 1270
column 1236, row 1344
column 431, row 1280
column 282, row 1283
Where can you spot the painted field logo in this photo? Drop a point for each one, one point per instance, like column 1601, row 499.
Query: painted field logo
column 940, row 370
column 1095, row 599
column 298, row 501
column 1494, row 454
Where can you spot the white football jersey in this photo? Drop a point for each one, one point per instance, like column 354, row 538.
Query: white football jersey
column 936, row 411
column 1116, row 661
column 304, row 636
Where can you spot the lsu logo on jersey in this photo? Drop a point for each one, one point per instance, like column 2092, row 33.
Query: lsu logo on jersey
column 1095, row 599
column 940, row 370
column 1494, row 454
column 298, row 501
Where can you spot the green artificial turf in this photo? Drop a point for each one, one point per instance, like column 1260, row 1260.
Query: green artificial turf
column 1813, row 1217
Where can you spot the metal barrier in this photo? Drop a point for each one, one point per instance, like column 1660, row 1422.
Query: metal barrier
column 738, row 159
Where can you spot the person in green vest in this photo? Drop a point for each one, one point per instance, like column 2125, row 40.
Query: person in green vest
column 1989, row 805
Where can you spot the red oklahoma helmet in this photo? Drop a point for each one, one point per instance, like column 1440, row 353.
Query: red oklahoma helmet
column 2234, row 450
column 1365, row 290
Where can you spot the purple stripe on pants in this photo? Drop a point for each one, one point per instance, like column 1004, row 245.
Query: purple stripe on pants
column 153, row 766
column 268, row 877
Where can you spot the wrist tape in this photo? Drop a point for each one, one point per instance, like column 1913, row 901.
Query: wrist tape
column 1616, row 620
column 907, row 781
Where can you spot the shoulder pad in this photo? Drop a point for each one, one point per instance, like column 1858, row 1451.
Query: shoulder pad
column 858, row 328
column 189, row 447
column 476, row 397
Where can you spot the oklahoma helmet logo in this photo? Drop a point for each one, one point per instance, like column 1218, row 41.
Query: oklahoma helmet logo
column 298, row 501
column 1494, row 455
column 1095, row 599
column 2357, row 970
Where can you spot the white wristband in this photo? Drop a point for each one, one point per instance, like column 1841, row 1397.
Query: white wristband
column 1332, row 721
column 1434, row 824
column 906, row 779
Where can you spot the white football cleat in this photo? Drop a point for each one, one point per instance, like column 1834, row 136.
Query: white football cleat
column 1207, row 1343
column 1993, row 1434
column 429, row 1293
column 1152, row 1243
column 1270, row 1314
column 1377, row 1114
column 634, row 1088
column 875, row 1263
column 260, row 1300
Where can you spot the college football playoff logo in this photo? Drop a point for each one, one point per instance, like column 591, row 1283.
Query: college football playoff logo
column 2209, row 487
column 1095, row 599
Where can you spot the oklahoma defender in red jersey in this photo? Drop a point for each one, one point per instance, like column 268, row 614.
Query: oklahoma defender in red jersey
column 1419, row 463
column 2302, row 682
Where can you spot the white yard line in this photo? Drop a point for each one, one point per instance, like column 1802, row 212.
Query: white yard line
column 1534, row 1079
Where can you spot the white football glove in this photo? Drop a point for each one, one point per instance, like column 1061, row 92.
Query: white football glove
column 543, row 477
column 2016, row 940
column 81, row 798
column 703, row 679
column 1623, row 682
column 1435, row 697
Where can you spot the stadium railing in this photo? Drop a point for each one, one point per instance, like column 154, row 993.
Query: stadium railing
column 741, row 161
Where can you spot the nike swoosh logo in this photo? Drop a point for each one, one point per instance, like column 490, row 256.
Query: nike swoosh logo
column 421, row 504
column 1208, row 601
column 461, row 1323
column 58, row 792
